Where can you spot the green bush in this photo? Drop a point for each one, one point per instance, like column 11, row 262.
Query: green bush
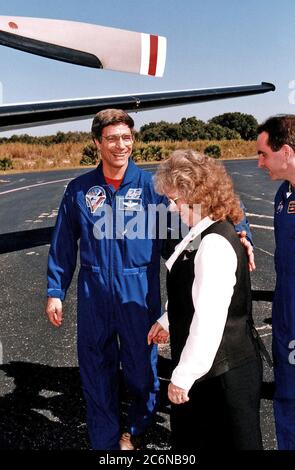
column 213, row 151
column 245, row 124
column 89, row 155
column 6, row 164
column 137, row 155
column 155, row 152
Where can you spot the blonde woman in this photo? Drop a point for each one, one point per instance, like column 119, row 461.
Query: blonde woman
column 217, row 376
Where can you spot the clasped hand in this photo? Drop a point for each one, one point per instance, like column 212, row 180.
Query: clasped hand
column 177, row 395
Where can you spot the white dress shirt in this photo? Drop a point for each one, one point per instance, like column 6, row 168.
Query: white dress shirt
column 212, row 290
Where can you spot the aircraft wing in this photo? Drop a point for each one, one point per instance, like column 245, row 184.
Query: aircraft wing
column 13, row 116
column 86, row 44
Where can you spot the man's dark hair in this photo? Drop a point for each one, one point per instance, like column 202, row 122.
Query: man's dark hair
column 281, row 130
column 109, row 117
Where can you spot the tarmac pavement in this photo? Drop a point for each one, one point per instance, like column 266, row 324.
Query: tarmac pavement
column 41, row 403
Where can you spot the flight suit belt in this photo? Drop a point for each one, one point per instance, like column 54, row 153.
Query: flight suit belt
column 97, row 269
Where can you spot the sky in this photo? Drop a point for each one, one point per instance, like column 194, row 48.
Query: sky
column 209, row 44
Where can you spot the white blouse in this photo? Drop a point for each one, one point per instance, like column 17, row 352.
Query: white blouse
column 212, row 290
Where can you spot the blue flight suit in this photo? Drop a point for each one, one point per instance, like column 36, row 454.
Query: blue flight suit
column 118, row 294
column 283, row 317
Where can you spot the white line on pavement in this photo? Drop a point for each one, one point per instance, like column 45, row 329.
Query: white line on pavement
column 34, row 186
column 249, row 214
column 265, row 227
column 266, row 334
column 264, row 251
column 265, row 327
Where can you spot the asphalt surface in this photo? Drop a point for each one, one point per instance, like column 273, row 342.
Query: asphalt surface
column 41, row 404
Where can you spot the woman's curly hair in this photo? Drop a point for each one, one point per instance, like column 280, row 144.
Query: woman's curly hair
column 199, row 179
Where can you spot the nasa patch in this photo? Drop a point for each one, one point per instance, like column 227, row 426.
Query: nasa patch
column 95, row 198
column 291, row 207
column 133, row 193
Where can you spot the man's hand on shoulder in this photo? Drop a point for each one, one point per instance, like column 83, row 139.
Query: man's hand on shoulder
column 53, row 310
column 249, row 250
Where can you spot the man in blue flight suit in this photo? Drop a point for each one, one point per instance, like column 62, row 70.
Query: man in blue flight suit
column 276, row 150
column 118, row 285
column 107, row 209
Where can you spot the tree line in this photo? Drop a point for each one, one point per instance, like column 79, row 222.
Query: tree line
column 227, row 126
column 47, row 140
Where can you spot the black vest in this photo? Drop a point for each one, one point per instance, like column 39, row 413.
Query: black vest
column 237, row 344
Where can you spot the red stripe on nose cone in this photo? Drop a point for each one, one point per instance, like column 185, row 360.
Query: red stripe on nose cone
column 153, row 54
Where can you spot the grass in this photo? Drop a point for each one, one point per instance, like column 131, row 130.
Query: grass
column 30, row 157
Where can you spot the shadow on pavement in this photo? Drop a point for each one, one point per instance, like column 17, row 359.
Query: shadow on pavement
column 268, row 390
column 46, row 409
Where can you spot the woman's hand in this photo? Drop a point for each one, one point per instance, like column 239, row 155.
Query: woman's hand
column 157, row 334
column 177, row 395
